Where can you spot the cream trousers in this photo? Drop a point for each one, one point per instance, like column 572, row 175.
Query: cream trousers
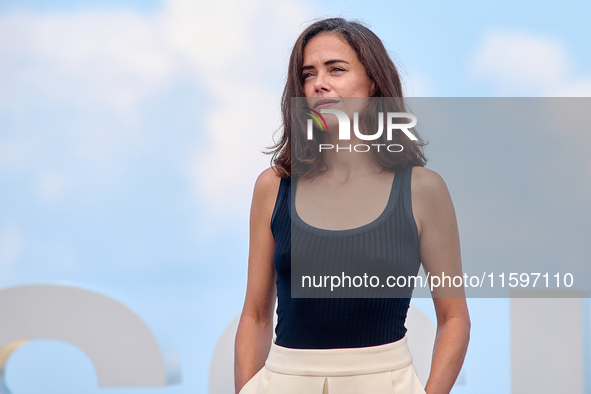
column 384, row 369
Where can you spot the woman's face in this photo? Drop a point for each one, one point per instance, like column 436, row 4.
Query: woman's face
column 331, row 71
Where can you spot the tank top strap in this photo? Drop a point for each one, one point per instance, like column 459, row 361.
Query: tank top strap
column 407, row 201
column 281, row 203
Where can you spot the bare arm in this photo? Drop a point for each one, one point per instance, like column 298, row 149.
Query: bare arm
column 255, row 330
column 440, row 253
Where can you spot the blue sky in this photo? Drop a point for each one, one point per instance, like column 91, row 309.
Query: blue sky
column 116, row 173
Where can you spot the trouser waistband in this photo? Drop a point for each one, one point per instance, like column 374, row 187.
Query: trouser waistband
column 339, row 362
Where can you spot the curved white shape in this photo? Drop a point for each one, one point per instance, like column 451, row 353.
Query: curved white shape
column 221, row 368
column 421, row 336
column 120, row 345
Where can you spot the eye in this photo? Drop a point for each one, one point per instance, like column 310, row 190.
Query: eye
column 337, row 69
column 306, row 75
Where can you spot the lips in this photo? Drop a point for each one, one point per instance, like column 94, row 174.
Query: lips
column 324, row 103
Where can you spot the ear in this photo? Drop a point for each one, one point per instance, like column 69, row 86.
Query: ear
column 372, row 89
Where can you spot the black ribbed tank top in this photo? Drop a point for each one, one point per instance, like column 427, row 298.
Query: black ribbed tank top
column 328, row 323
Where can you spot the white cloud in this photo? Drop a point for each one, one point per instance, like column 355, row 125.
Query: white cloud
column 579, row 88
column 240, row 59
column 16, row 153
column 52, row 186
column 114, row 61
column 525, row 64
column 238, row 131
column 210, row 34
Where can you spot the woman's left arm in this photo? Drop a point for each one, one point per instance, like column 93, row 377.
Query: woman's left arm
column 440, row 254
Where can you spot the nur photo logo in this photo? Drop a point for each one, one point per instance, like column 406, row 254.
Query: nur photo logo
column 391, row 125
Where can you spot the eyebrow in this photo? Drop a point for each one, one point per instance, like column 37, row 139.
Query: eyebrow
column 326, row 63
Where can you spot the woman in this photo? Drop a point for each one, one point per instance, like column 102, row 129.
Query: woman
column 345, row 345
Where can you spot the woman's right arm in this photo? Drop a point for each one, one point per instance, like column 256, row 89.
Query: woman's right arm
column 255, row 330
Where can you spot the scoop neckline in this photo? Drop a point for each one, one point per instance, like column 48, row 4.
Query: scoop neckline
column 299, row 222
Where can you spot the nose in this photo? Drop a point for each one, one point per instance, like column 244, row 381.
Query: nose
column 321, row 83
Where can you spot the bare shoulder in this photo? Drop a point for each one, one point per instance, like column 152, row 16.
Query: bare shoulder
column 267, row 182
column 431, row 201
column 427, row 184
column 266, row 189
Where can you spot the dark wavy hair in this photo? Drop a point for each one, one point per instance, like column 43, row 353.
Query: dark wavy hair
column 379, row 68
